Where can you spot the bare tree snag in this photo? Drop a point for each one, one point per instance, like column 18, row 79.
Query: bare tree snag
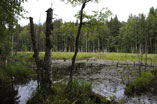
column 48, row 50
column 77, row 39
column 36, row 53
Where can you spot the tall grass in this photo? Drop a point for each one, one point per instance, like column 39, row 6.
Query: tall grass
column 146, row 82
column 103, row 56
column 128, row 57
column 79, row 92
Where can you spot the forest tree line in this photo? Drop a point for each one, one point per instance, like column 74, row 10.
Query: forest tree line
column 137, row 35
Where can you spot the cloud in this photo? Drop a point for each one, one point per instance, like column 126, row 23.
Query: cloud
column 122, row 8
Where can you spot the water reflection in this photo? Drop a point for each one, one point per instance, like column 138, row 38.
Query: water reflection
column 107, row 82
column 17, row 94
column 25, row 91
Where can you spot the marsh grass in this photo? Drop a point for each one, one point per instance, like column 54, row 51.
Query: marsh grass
column 128, row 57
column 79, row 92
column 146, row 82
column 103, row 56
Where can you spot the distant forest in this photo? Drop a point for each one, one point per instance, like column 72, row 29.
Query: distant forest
column 137, row 35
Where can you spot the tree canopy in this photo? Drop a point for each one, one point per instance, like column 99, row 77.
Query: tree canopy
column 10, row 11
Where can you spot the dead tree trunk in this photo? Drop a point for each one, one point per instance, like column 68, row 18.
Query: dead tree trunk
column 77, row 40
column 48, row 50
column 140, row 59
column 43, row 68
column 36, row 53
column 146, row 51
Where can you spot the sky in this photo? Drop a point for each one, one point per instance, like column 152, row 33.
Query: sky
column 64, row 11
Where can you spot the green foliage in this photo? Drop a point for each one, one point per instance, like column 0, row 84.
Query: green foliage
column 114, row 26
column 139, row 33
column 99, row 34
column 143, row 83
column 5, row 48
column 18, row 68
column 10, row 11
column 19, row 72
column 77, row 92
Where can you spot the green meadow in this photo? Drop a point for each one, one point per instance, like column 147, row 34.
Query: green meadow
column 102, row 56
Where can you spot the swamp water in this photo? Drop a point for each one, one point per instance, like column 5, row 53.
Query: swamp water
column 106, row 81
column 25, row 91
column 18, row 93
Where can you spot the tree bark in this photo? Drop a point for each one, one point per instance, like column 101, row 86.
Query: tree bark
column 146, row 50
column 43, row 68
column 12, row 45
column 36, row 53
column 87, row 42
column 48, row 50
column 77, row 40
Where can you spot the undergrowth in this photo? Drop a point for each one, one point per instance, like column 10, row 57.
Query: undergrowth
column 75, row 93
column 17, row 68
column 146, row 82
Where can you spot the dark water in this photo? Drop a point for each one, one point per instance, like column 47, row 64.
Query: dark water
column 8, row 95
column 17, row 94
column 106, row 81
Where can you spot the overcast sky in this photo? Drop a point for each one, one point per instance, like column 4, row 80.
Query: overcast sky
column 121, row 8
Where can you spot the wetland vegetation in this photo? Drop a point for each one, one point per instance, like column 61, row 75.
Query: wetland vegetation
column 95, row 60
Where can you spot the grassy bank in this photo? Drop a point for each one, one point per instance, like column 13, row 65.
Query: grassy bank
column 77, row 93
column 103, row 56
